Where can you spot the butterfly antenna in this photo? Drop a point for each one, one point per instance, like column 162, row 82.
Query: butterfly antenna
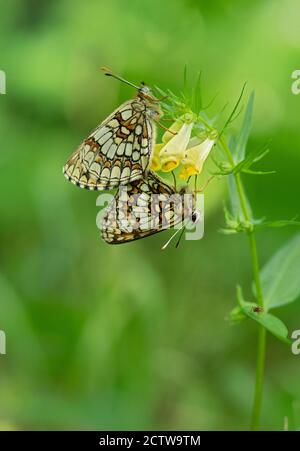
column 107, row 71
column 173, row 236
column 200, row 190
column 179, row 239
column 174, row 180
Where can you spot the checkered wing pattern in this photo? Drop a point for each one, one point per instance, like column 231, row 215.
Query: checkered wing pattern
column 141, row 209
column 117, row 152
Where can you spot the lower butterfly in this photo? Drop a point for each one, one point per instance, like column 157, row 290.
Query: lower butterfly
column 146, row 207
column 119, row 150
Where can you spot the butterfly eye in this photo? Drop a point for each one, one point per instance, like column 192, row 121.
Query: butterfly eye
column 144, row 89
column 195, row 216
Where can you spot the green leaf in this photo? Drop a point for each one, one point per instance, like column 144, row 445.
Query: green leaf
column 185, row 82
column 197, row 95
column 249, row 171
column 236, row 315
column 280, row 276
column 273, row 324
column 252, row 157
column 234, row 198
column 233, row 112
column 244, row 166
column 236, row 209
column 240, row 149
column 251, row 310
column 276, row 224
column 227, row 231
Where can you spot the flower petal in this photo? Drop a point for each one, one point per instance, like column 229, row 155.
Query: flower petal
column 173, row 152
column 155, row 164
column 195, row 157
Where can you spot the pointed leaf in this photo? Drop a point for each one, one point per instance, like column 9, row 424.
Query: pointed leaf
column 273, row 324
column 233, row 112
column 276, row 224
column 240, row 149
column 280, row 276
column 236, row 315
column 197, row 95
column 249, row 171
column 234, row 199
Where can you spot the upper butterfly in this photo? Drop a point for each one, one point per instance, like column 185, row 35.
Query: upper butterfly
column 119, row 150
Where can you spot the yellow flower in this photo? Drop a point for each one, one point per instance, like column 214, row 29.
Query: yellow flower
column 195, row 157
column 155, row 164
column 173, row 152
column 176, row 126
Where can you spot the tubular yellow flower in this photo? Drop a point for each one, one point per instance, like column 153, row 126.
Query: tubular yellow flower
column 195, row 157
column 155, row 164
column 175, row 127
column 173, row 152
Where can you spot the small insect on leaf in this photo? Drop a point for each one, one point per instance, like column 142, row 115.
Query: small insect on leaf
column 258, row 309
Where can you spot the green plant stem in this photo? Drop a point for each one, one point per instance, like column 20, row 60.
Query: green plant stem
column 259, row 380
column 261, row 350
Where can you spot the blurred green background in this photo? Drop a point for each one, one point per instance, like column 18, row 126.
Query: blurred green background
column 128, row 337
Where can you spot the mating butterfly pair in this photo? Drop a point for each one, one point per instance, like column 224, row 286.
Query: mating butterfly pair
column 117, row 153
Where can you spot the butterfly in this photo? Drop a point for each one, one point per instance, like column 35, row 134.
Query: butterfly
column 119, row 150
column 145, row 207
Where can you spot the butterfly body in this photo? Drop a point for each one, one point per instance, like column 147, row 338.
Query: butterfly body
column 119, row 150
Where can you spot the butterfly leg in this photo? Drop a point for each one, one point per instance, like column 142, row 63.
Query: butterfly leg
column 200, row 190
column 174, row 180
column 165, row 128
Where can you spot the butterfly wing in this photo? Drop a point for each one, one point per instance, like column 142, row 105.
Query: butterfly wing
column 117, row 152
column 141, row 209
